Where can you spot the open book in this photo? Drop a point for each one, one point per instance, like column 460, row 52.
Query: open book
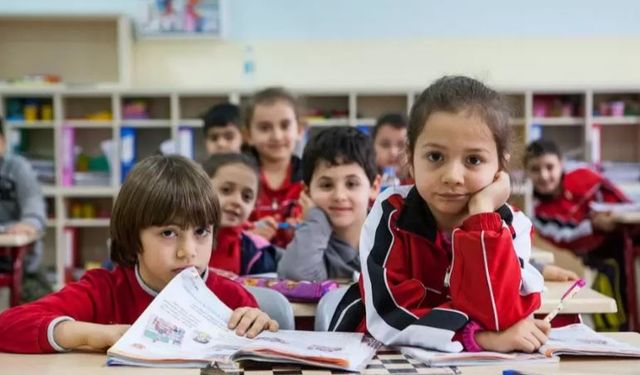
column 574, row 339
column 186, row 326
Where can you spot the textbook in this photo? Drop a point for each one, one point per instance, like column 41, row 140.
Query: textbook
column 186, row 326
column 575, row 339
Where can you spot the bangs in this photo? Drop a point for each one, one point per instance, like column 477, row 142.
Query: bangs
column 190, row 203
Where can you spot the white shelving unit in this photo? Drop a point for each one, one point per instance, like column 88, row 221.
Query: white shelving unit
column 171, row 110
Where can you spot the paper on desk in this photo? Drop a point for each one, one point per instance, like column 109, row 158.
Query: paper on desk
column 575, row 339
column 186, row 326
column 614, row 207
column 441, row 359
column 579, row 339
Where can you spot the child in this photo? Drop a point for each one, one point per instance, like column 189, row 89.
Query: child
column 235, row 179
column 339, row 173
column 390, row 141
column 22, row 211
column 222, row 129
column 445, row 263
column 273, row 130
column 563, row 215
column 164, row 220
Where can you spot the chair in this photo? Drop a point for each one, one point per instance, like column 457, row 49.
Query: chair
column 327, row 307
column 275, row 304
column 13, row 278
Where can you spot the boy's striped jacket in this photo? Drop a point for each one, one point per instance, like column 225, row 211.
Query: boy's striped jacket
column 565, row 219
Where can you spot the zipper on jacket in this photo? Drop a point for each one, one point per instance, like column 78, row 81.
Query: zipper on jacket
column 447, row 277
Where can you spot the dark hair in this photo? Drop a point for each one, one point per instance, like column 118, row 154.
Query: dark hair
column 395, row 120
column 160, row 190
column 217, row 161
column 1, row 126
column 268, row 96
column 458, row 93
column 539, row 148
column 337, row 146
column 221, row 115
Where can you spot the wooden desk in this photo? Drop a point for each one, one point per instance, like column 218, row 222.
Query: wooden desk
column 94, row 364
column 575, row 365
column 16, row 240
column 627, row 217
column 542, row 256
column 587, row 301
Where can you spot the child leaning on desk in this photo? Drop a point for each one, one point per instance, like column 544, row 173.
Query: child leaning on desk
column 164, row 220
column 445, row 263
column 340, row 180
column 563, row 216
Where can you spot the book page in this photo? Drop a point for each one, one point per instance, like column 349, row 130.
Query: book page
column 334, row 349
column 186, row 321
column 435, row 358
column 579, row 339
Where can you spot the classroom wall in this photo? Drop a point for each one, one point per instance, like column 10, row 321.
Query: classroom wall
column 380, row 64
column 391, row 43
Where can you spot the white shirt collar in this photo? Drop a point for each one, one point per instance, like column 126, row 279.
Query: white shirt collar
column 152, row 292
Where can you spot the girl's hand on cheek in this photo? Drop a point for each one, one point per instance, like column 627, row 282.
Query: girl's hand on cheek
column 491, row 197
column 306, row 203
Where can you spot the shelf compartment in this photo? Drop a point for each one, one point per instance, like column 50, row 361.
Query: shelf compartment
column 80, row 110
column 374, row 106
column 37, row 146
column 193, row 107
column 146, row 108
column 325, row 110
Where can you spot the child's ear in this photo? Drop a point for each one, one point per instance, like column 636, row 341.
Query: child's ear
column 305, row 188
column 246, row 135
column 375, row 188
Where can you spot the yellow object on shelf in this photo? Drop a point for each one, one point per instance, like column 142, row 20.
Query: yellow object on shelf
column 101, row 115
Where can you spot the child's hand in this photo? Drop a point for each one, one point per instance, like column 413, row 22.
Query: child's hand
column 22, row 228
column 105, row 335
column 492, row 196
column 306, row 203
column 266, row 227
column 249, row 321
column 72, row 334
column 555, row 273
column 603, row 221
column 528, row 335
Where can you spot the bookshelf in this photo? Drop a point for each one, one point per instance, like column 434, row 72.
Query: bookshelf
column 78, row 211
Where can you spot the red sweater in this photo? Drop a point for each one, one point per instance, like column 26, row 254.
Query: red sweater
column 282, row 202
column 102, row 297
column 564, row 219
column 420, row 289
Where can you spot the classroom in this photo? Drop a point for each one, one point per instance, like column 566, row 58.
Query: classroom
column 437, row 187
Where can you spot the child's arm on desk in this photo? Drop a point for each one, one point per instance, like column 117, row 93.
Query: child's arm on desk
column 527, row 336
column 71, row 334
